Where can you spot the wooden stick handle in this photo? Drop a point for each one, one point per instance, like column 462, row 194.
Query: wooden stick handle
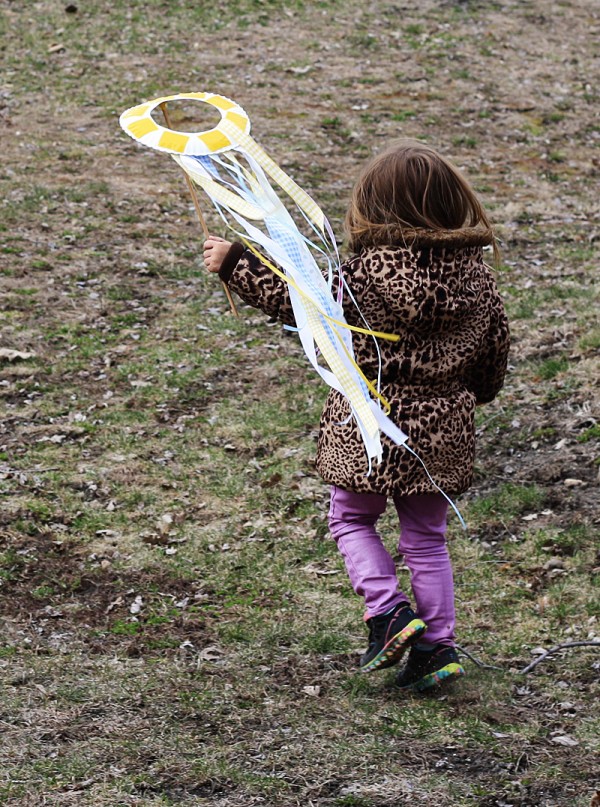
column 201, row 218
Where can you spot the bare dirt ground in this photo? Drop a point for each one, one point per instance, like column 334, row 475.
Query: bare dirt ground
column 176, row 628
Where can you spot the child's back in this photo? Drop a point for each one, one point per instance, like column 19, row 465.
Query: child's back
column 441, row 299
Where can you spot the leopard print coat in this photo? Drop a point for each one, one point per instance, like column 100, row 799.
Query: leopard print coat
column 437, row 294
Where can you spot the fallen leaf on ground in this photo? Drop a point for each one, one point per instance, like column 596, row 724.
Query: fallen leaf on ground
column 136, row 605
column 564, row 739
column 7, row 354
column 210, row 653
column 312, row 569
column 114, row 604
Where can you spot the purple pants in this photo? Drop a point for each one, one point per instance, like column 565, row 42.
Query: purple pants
column 352, row 521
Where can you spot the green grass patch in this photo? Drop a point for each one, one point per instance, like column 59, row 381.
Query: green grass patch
column 507, row 501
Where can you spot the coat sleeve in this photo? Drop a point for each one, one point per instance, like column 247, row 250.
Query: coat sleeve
column 256, row 284
column 486, row 378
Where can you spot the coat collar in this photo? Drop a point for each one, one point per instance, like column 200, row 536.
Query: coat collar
column 455, row 239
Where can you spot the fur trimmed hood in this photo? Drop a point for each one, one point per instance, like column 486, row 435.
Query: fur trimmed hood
column 458, row 239
column 420, row 237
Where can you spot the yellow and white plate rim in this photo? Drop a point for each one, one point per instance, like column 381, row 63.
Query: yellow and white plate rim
column 138, row 123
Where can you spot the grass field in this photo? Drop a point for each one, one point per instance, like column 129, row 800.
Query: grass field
column 177, row 628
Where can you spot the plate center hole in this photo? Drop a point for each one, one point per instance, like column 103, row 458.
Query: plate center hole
column 188, row 115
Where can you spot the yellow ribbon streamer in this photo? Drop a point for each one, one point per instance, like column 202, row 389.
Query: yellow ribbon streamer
column 390, row 337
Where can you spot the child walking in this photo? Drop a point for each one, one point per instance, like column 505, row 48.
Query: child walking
column 416, row 231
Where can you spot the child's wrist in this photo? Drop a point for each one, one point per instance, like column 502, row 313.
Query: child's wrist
column 231, row 260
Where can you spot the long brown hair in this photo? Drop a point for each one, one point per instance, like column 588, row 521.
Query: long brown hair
column 407, row 189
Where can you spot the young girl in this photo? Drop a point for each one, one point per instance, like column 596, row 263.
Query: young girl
column 416, row 231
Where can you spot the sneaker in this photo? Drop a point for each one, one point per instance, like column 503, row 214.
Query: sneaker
column 389, row 636
column 428, row 668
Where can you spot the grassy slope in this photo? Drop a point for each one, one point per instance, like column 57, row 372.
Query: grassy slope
column 156, row 448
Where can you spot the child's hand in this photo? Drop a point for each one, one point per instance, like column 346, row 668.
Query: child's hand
column 215, row 249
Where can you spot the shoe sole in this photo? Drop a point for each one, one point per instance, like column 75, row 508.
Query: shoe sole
column 441, row 676
column 396, row 647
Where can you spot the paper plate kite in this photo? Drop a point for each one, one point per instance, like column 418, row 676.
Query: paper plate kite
column 234, row 172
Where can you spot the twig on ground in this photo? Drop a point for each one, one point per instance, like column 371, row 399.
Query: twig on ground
column 476, row 661
column 481, row 562
column 485, row 423
column 30, row 470
column 555, row 649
